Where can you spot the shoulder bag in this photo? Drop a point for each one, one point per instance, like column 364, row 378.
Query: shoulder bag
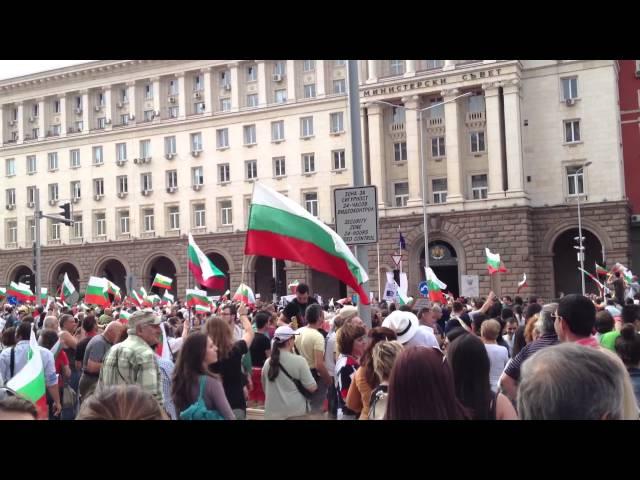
column 198, row 410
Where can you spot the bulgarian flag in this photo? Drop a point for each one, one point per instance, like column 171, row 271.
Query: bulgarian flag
column 245, row 295
column 197, row 297
column 206, row 273
column 43, row 295
column 29, row 382
column 162, row 349
column 293, row 285
column 114, row 290
column 135, row 296
column 96, row 293
column 162, row 282
column 435, row 287
column 523, row 283
column 226, row 296
column 601, row 271
column 203, row 309
column 21, row 291
column 67, row 288
column 56, row 349
column 154, row 299
column 124, row 316
column 280, row 228
column 167, row 297
column 493, row 262
column 594, row 278
column 3, row 292
column 403, row 298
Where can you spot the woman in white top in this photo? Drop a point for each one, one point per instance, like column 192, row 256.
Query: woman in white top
column 498, row 355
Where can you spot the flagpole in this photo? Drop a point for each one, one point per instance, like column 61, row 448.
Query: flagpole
column 378, row 275
column 188, row 286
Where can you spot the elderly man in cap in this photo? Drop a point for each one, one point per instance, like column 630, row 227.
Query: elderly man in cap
column 134, row 360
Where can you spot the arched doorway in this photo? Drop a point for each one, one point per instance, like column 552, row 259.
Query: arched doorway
column 327, row 286
column 164, row 266
column 114, row 271
column 222, row 264
column 565, row 261
column 264, row 278
column 24, row 274
column 58, row 277
column 443, row 260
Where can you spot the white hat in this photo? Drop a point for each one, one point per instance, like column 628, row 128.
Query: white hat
column 284, row 333
column 405, row 324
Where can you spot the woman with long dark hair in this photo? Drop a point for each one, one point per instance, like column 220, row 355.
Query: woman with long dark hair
column 421, row 387
column 470, row 364
column 198, row 352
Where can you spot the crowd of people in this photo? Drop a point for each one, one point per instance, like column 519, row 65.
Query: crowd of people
column 575, row 357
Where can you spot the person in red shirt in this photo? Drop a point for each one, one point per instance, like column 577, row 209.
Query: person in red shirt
column 48, row 339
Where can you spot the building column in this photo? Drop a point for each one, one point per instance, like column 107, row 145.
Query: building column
column 63, row 116
column 208, row 91
column 155, row 84
column 235, row 87
column 452, row 142
column 321, row 86
column 410, row 70
column 2, row 122
column 291, row 80
column 41, row 119
column 414, row 167
column 376, row 152
column 108, row 107
column 513, row 137
column 131, row 95
column 262, row 84
column 494, row 148
column 372, row 71
column 182, row 96
column 85, row 110
column 449, row 65
column 20, row 106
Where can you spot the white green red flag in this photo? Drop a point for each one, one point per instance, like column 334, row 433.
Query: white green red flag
column 197, row 297
column 494, row 264
column 601, row 271
column 203, row 269
column 20, row 291
column 43, row 295
column 226, row 296
column 67, row 288
column 97, row 292
column 154, row 299
column 245, row 295
column 522, row 283
column 161, row 281
column 56, row 349
column 3, row 292
column 114, row 290
column 293, row 285
column 280, row 228
column 203, row 309
column 124, row 317
column 137, row 299
column 162, row 349
column 435, row 286
column 403, row 298
column 601, row 286
column 167, row 297
column 29, row 382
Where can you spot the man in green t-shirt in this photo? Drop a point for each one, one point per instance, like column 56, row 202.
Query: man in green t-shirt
column 630, row 314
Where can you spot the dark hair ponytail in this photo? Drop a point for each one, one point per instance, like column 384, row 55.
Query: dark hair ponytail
column 628, row 345
column 274, row 360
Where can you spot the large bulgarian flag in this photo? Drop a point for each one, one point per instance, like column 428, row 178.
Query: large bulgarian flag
column 280, row 228
column 161, row 281
column 494, row 264
column 21, row 291
column 197, row 297
column 29, row 382
column 67, row 289
column 435, row 287
column 97, row 292
column 245, row 295
column 206, row 273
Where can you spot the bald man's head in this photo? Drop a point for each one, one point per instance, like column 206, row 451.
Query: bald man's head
column 113, row 332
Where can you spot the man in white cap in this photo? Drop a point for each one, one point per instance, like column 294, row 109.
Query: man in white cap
column 406, row 326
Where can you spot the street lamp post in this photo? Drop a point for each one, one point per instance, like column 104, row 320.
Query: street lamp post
column 580, row 238
column 422, row 164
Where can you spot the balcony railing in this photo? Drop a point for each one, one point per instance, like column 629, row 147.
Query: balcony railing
column 475, row 119
column 199, row 230
column 172, row 233
column 397, row 131
column 148, row 235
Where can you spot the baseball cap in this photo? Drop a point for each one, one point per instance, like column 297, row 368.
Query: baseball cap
column 284, row 333
column 143, row 317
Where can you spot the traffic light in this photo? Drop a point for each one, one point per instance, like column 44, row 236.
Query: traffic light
column 66, row 214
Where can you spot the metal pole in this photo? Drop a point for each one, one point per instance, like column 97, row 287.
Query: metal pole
column 362, row 251
column 378, row 272
column 424, row 194
column 581, row 252
column 37, row 217
column 274, row 272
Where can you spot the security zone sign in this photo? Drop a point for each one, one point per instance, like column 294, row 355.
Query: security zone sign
column 356, row 214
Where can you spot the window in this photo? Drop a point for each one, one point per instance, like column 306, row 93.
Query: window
column 78, row 100
column 575, row 177
column 437, row 147
column 147, row 215
column 197, row 83
column 124, row 119
column 145, row 181
column 476, row 103
column 252, row 73
column 310, row 90
column 32, row 165
column 251, row 169
column 477, row 142
column 31, row 195
column 252, row 100
column 54, row 230
column 311, row 203
column 173, row 87
column 12, row 231
column 102, row 122
column 223, row 173
column 478, row 186
column 279, row 68
column 56, row 106
column 225, row 78
column 172, row 179
column 11, row 196
column 339, row 63
column 148, row 115
column 101, row 225
column 35, row 110
column 75, row 189
column 173, row 112
column 226, row 217
column 123, row 221
column 306, row 127
column 121, row 151
column 122, row 184
column 196, row 142
column 400, row 151
column 225, row 104
column 439, row 188
column 198, row 107
column 174, row 218
column 336, row 122
column 249, row 132
column 572, row 131
column 431, row 64
column 277, row 131
column 52, row 158
column 148, row 91
column 309, row 65
column 199, row 215
column 339, row 86
column 53, row 192
column 170, row 145
column 77, row 226
column 97, row 156
column 100, row 99
column 35, row 133
column 98, row 186
column 281, row 95
column 74, row 158
column 396, row 67
column 569, row 88
column 338, row 160
column 11, row 167
column 308, row 163
column 14, row 136
column 222, row 138
column 123, row 95
column 401, row 194
column 31, row 230
column 397, row 115
column 279, row 167
column 79, row 126
column 197, row 175
column 145, row 148
column 56, row 130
